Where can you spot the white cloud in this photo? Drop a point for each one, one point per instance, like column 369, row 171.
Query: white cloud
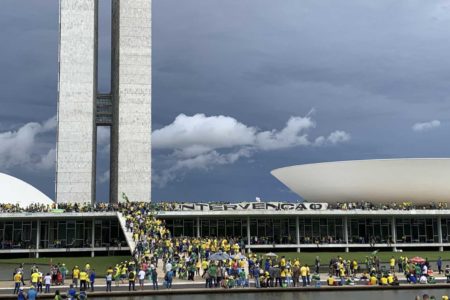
column 338, row 136
column 203, row 142
column 426, row 125
column 47, row 161
column 21, row 148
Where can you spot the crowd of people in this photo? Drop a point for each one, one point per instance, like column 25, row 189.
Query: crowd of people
column 217, row 261
column 175, row 206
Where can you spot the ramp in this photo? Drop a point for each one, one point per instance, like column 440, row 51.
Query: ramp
column 128, row 235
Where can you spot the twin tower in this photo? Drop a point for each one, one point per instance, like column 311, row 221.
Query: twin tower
column 126, row 109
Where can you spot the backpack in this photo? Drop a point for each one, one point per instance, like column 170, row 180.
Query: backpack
column 131, row 276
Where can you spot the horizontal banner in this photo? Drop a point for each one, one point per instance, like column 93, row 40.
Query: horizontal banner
column 248, row 206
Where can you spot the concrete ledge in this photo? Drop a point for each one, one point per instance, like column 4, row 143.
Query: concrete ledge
column 198, row 291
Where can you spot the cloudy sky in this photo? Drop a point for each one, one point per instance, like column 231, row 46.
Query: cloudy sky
column 241, row 87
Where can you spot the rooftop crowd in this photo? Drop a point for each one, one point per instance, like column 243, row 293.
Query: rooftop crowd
column 174, row 206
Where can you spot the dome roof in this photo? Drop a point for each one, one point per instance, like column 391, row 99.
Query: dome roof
column 420, row 181
column 14, row 190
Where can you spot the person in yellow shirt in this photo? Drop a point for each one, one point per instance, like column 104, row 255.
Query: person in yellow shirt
column 40, row 282
column 17, row 282
column 303, row 273
column 34, row 278
column 283, row 277
column 308, row 275
column 392, row 264
column 83, row 279
column 330, row 280
column 390, row 279
column 283, row 262
column 383, row 280
column 204, row 266
column 75, row 276
column 373, row 280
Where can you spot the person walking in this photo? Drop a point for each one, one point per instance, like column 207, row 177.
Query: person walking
column 154, row 277
column 108, row 282
column 439, row 265
column 47, row 282
column 131, row 280
column 63, row 271
column 317, row 264
column 168, row 279
column 75, row 276
column 92, row 279
column 17, row 282
column 141, row 276
column 83, row 279
column 303, row 273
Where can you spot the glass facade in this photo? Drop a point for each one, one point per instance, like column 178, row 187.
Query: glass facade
column 60, row 234
column 321, row 230
column 182, row 227
column 329, row 230
column 272, row 231
column 77, row 233
column 369, row 230
column 18, row 234
column 417, row 230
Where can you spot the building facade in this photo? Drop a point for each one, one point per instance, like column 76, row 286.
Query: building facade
column 126, row 108
column 258, row 230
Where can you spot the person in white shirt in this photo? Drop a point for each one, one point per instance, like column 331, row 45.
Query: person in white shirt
column 423, row 279
column 141, row 276
column 425, row 270
column 48, row 282
column 168, row 267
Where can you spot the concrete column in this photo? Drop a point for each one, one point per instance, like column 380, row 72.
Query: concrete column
column 76, row 138
column 131, row 89
column 93, row 238
column 297, row 233
column 394, row 234
column 346, row 233
column 439, row 226
column 198, row 227
column 38, row 238
column 248, row 234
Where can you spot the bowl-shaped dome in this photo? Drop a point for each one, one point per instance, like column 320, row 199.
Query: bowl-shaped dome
column 14, row 190
column 419, row 181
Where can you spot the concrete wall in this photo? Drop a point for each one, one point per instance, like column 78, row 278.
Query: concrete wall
column 131, row 94
column 76, row 102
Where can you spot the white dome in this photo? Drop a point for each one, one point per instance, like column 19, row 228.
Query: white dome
column 419, row 181
column 14, row 190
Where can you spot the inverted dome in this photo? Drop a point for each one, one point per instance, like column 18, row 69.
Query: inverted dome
column 16, row 191
column 419, row 181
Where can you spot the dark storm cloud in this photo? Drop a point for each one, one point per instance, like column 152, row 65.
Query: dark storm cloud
column 370, row 68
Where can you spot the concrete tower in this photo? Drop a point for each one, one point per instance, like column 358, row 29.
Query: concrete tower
column 127, row 108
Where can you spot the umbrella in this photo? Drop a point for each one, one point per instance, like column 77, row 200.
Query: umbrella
column 417, row 260
column 271, row 254
column 238, row 256
column 219, row 256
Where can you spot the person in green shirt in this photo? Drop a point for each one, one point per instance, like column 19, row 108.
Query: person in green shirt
column 63, row 271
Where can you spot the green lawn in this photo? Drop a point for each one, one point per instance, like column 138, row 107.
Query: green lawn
column 100, row 263
column 309, row 257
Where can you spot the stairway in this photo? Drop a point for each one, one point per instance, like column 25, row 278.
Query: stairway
column 128, row 235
